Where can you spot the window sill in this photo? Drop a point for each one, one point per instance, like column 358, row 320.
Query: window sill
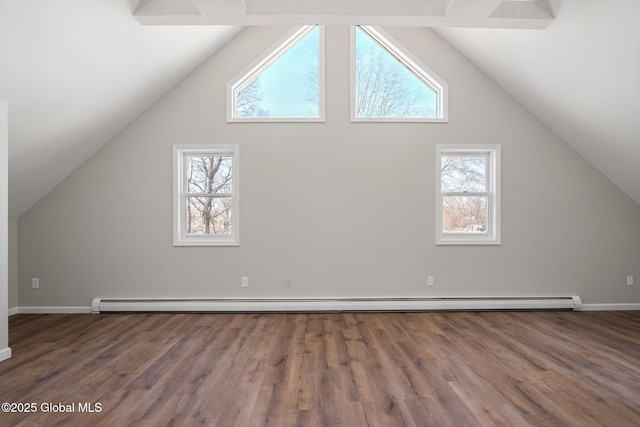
column 467, row 243
column 399, row 120
column 205, row 242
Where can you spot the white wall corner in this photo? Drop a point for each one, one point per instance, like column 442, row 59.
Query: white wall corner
column 13, row 266
column 5, row 353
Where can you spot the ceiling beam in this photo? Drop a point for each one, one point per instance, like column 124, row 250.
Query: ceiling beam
column 516, row 14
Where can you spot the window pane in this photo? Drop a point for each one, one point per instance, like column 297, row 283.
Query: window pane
column 464, row 214
column 385, row 87
column 287, row 88
column 208, row 215
column 209, row 174
column 464, row 173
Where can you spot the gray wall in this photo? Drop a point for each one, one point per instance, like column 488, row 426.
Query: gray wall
column 5, row 352
column 311, row 197
column 13, row 263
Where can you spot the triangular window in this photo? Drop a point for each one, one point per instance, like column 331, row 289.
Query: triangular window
column 389, row 84
column 286, row 84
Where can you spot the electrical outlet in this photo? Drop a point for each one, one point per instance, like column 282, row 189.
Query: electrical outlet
column 35, row 283
column 288, row 281
column 245, row 282
column 429, row 280
column 629, row 280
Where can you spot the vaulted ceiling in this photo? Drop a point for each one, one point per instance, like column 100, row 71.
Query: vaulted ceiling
column 580, row 76
column 76, row 72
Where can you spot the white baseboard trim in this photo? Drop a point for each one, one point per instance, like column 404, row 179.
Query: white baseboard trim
column 408, row 304
column 54, row 310
column 610, row 307
column 5, row 354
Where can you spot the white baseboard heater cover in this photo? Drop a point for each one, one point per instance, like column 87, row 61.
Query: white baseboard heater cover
column 103, row 305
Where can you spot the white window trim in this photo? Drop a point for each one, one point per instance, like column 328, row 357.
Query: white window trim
column 179, row 204
column 424, row 73
column 272, row 54
column 492, row 236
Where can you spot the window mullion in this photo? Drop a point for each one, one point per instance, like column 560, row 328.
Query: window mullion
column 208, row 194
column 467, row 194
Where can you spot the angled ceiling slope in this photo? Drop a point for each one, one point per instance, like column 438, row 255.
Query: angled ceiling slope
column 75, row 73
column 580, row 76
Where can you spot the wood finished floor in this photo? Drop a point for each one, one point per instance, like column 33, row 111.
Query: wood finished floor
column 327, row 369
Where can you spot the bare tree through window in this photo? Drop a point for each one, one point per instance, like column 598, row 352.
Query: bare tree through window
column 249, row 101
column 385, row 87
column 283, row 86
column 464, row 188
column 208, row 195
column 468, row 194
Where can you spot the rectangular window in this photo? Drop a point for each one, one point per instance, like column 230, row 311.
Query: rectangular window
column 468, row 195
column 205, row 195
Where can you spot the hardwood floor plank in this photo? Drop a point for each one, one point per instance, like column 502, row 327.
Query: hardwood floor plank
column 425, row 412
column 320, row 369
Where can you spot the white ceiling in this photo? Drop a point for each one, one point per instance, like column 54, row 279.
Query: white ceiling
column 427, row 13
column 76, row 72
column 580, row 76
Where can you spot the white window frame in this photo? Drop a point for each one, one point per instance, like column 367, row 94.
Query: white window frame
column 274, row 53
column 424, row 73
column 180, row 238
column 492, row 234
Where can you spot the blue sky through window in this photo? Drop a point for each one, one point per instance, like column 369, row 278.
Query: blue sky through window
column 286, row 88
column 385, row 87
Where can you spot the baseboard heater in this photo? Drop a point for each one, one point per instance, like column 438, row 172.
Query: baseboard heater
column 103, row 305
